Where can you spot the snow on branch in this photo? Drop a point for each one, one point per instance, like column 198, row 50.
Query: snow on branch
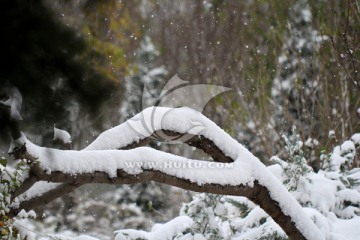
column 234, row 171
column 63, row 137
column 156, row 122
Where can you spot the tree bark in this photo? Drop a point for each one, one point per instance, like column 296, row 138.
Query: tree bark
column 256, row 193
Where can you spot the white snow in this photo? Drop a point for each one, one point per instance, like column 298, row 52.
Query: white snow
column 346, row 229
column 342, row 155
column 182, row 120
column 267, row 227
column 286, row 202
column 155, row 72
column 24, row 214
column 348, row 147
column 64, row 237
column 323, row 223
column 148, row 46
column 159, row 231
column 136, row 160
column 349, row 195
column 246, row 169
column 38, row 189
column 331, row 134
column 319, row 191
column 61, row 135
column 356, row 139
column 311, row 142
column 306, row 15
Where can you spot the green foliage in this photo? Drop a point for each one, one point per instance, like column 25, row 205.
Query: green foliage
column 337, row 181
column 55, row 68
column 43, row 59
column 11, row 180
column 217, row 217
column 342, row 158
column 108, row 29
column 207, row 211
column 273, row 236
column 351, row 180
column 296, row 165
column 243, row 207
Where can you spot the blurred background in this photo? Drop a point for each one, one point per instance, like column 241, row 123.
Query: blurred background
column 82, row 65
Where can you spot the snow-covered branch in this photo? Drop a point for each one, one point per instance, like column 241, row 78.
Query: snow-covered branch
column 170, row 125
column 197, row 141
column 234, row 171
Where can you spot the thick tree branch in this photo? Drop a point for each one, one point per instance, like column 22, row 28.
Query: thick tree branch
column 197, row 141
column 257, row 193
column 74, row 168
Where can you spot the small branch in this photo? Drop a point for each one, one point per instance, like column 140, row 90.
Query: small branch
column 198, row 141
column 20, row 152
column 26, row 185
column 47, row 197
